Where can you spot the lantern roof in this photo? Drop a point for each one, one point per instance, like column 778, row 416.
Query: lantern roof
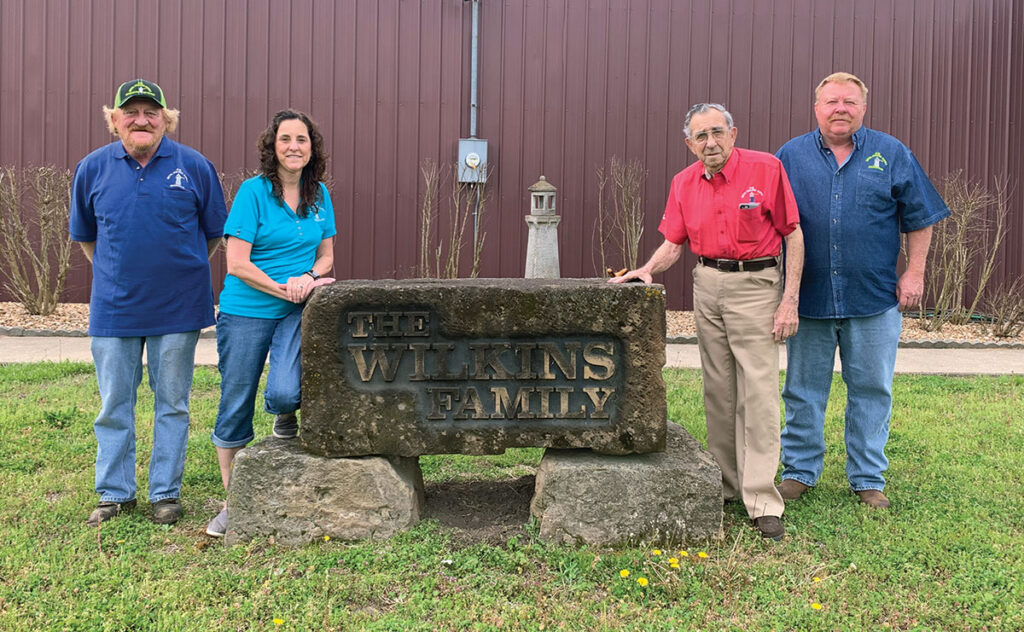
column 543, row 186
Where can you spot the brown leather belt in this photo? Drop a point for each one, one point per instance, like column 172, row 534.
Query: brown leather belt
column 732, row 265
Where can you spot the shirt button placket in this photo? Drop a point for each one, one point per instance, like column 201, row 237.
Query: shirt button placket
column 723, row 237
column 835, row 239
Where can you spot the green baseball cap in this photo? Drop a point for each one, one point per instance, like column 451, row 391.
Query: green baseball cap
column 139, row 88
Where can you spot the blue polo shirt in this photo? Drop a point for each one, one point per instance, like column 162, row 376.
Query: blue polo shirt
column 852, row 217
column 151, row 272
column 283, row 245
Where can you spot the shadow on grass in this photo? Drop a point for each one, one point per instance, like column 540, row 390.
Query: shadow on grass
column 476, row 511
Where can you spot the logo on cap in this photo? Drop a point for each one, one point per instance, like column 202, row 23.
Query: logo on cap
column 139, row 88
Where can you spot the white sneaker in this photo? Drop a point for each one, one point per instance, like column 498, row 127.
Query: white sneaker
column 219, row 525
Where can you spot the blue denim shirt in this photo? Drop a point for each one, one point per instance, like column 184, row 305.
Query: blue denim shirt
column 852, row 217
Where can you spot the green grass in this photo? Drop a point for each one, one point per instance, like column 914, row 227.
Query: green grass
column 949, row 554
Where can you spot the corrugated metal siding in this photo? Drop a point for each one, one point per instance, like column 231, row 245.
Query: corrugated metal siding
column 565, row 85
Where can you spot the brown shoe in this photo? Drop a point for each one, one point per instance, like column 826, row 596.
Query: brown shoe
column 770, row 527
column 107, row 510
column 791, row 489
column 167, row 511
column 873, row 498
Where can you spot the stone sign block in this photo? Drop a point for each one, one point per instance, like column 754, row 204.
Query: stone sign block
column 279, row 490
column 475, row 366
column 670, row 497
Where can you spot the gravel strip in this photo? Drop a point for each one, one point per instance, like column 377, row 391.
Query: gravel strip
column 72, row 319
column 680, row 328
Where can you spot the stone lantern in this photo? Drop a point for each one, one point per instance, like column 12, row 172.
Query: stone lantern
column 542, row 245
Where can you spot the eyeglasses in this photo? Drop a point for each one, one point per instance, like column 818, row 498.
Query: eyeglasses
column 718, row 133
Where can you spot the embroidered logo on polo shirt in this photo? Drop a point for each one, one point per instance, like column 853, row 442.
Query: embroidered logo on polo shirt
column 877, row 161
column 316, row 213
column 179, row 178
column 751, row 199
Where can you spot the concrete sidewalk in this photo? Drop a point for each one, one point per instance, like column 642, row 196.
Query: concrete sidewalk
column 909, row 360
column 74, row 349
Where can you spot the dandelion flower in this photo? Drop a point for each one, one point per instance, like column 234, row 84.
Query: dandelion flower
column 816, row 606
column 673, row 560
column 683, row 554
column 675, row 565
column 624, row 573
column 817, row 579
column 656, row 552
column 278, row 621
column 327, row 538
column 642, row 581
column 702, row 554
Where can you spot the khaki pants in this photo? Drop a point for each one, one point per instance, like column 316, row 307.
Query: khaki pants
column 740, row 361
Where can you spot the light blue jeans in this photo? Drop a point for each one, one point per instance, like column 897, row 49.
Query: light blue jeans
column 171, row 361
column 242, row 347
column 867, row 351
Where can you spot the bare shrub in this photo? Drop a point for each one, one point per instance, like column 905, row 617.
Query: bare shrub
column 230, row 183
column 482, row 194
column 620, row 212
column 599, row 227
column 35, row 246
column 464, row 199
column 432, row 175
column 1005, row 308
column 973, row 232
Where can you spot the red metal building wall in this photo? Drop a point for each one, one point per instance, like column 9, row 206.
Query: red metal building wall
column 565, row 85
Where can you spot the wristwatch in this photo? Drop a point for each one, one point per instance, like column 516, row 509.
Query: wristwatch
column 313, row 274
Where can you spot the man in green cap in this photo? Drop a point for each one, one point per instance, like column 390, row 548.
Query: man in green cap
column 148, row 213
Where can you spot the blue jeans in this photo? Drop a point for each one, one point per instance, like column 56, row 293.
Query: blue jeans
column 171, row 360
column 867, row 351
column 242, row 347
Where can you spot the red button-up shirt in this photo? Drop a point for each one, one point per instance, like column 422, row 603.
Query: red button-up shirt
column 742, row 212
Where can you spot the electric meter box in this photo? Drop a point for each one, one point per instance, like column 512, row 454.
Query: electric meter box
column 472, row 165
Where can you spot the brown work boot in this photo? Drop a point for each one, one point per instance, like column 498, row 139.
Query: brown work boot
column 791, row 489
column 770, row 527
column 873, row 498
column 167, row 511
column 107, row 510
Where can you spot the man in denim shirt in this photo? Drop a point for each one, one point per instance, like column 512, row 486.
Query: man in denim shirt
column 857, row 189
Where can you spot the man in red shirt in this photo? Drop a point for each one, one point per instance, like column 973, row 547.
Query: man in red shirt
column 736, row 207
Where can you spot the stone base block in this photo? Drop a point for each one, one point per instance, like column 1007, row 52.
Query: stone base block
column 277, row 489
column 600, row 500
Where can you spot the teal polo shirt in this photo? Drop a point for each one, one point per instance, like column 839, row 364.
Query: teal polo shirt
column 283, row 245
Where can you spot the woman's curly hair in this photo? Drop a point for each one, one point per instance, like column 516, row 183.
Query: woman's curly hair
column 312, row 173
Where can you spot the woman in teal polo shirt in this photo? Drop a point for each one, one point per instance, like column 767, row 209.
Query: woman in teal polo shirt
column 279, row 245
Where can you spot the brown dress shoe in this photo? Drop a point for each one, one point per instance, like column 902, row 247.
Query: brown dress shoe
column 873, row 498
column 791, row 489
column 770, row 527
